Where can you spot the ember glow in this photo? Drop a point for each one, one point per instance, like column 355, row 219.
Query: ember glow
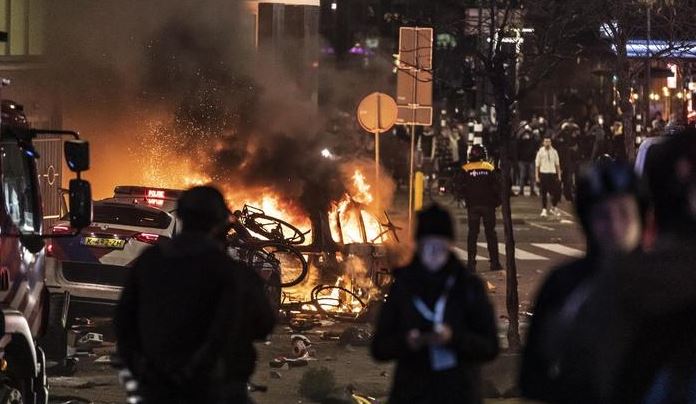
column 354, row 217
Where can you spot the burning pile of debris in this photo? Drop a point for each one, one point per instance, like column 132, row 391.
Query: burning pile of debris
column 332, row 265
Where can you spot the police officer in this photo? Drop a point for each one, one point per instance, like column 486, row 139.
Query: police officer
column 188, row 313
column 481, row 189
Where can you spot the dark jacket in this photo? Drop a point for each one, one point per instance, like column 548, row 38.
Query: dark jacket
column 567, row 145
column 179, row 296
column 640, row 325
column 468, row 312
column 546, row 373
column 480, row 184
column 527, row 147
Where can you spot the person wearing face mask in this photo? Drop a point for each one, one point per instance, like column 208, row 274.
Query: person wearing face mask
column 437, row 322
column 611, row 204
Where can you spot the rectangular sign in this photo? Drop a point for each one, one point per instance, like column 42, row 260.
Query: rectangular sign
column 422, row 116
column 414, row 87
column 416, row 48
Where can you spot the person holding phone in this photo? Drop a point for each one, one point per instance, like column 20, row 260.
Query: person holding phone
column 437, row 322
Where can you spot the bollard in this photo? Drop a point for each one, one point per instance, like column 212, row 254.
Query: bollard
column 419, row 181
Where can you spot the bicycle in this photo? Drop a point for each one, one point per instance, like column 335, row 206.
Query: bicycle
column 280, row 264
column 271, row 228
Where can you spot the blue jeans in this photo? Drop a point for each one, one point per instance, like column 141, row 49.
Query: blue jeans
column 527, row 175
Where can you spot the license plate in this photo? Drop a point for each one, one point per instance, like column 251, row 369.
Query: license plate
column 115, row 243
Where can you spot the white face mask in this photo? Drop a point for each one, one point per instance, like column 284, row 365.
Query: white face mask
column 434, row 252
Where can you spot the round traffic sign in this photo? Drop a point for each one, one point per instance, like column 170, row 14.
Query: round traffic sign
column 377, row 113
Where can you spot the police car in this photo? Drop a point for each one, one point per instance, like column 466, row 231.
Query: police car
column 93, row 266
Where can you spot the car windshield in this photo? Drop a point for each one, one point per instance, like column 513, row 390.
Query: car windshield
column 131, row 216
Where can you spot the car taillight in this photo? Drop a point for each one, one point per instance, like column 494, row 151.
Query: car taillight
column 49, row 249
column 148, row 238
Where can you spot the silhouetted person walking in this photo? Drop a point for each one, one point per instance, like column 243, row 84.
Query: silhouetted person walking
column 188, row 313
column 437, row 322
column 548, row 176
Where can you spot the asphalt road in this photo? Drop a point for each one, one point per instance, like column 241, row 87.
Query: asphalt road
column 542, row 243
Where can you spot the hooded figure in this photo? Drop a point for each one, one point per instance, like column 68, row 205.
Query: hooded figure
column 640, row 313
column 188, row 313
column 437, row 322
column 611, row 204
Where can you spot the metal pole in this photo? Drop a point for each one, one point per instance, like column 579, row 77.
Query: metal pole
column 410, row 182
column 648, row 73
column 376, row 188
column 415, row 70
column 377, row 132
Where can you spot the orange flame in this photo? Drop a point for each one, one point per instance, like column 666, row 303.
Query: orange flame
column 351, row 221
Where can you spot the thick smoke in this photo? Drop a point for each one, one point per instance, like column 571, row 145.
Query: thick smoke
column 182, row 75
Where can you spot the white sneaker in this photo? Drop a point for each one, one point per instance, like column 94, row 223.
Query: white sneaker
column 556, row 212
column 544, row 213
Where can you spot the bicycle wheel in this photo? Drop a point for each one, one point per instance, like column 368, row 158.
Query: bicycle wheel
column 337, row 302
column 274, row 229
column 278, row 257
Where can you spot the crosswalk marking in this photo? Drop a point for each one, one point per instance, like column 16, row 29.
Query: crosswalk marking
column 560, row 249
column 524, row 255
column 463, row 256
column 520, row 254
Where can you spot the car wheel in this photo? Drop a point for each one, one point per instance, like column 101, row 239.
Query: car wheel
column 10, row 395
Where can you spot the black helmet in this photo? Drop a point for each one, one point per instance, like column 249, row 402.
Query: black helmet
column 477, row 153
column 604, row 179
column 202, row 208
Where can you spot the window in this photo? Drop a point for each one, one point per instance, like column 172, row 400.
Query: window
column 17, row 188
column 131, row 216
column 23, row 20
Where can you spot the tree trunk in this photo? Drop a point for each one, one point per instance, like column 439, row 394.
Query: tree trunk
column 511, row 293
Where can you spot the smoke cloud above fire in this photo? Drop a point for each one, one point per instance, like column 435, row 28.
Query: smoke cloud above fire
column 169, row 89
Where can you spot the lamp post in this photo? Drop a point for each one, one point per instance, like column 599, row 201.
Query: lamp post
column 648, row 67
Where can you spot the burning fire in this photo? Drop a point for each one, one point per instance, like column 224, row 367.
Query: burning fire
column 353, row 219
column 362, row 189
column 350, row 219
column 272, row 205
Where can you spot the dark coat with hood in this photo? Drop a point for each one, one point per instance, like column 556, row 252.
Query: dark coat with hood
column 639, row 325
column 180, row 296
column 468, row 312
column 547, row 373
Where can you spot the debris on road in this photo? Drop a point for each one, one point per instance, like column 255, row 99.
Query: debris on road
column 300, row 345
column 91, row 339
column 282, row 362
column 355, row 337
